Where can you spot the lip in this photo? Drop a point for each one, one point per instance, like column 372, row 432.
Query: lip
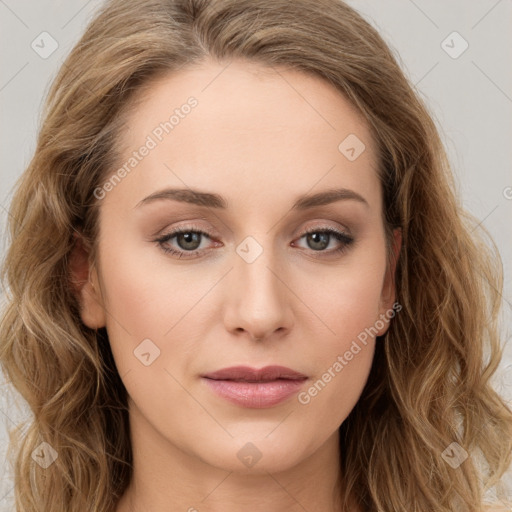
column 255, row 388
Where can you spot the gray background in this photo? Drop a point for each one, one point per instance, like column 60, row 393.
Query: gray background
column 470, row 97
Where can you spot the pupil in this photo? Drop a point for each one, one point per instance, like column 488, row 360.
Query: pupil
column 318, row 238
column 189, row 238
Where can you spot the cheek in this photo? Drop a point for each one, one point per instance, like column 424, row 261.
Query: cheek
column 178, row 306
column 335, row 390
column 147, row 296
column 343, row 353
column 348, row 306
column 139, row 307
column 347, row 300
column 144, row 293
column 343, row 359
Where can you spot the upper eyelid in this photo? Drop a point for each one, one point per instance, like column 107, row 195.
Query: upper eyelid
column 322, row 226
column 187, row 229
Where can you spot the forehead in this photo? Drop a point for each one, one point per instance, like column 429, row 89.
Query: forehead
column 251, row 127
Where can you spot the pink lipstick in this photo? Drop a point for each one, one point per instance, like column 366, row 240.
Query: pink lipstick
column 255, row 388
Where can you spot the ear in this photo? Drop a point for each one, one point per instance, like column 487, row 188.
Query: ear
column 388, row 293
column 85, row 285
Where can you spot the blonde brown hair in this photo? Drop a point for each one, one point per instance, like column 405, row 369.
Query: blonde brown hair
column 429, row 384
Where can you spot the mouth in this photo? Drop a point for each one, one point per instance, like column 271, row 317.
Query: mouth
column 255, row 388
column 248, row 374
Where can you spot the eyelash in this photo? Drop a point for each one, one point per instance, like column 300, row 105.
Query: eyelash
column 344, row 238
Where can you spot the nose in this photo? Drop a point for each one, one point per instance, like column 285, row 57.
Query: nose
column 258, row 299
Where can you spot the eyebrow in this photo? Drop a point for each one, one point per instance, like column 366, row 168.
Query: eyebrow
column 211, row 200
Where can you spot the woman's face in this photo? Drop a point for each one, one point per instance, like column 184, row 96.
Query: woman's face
column 260, row 157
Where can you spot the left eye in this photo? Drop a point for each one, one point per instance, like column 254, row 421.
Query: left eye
column 189, row 241
column 319, row 239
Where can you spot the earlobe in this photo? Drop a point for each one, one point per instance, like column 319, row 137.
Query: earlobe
column 388, row 294
column 84, row 283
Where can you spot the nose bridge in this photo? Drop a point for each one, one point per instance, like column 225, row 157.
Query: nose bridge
column 259, row 300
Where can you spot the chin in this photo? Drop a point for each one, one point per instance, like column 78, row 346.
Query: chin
column 256, row 454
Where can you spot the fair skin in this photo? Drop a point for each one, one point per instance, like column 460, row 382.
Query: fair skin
column 260, row 139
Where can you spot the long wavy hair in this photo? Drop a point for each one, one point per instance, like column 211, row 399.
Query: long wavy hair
column 429, row 385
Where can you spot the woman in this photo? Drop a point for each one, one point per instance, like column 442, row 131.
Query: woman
column 239, row 275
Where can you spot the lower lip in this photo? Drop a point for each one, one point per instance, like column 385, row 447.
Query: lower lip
column 256, row 395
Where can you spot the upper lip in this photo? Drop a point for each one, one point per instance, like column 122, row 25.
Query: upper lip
column 248, row 374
